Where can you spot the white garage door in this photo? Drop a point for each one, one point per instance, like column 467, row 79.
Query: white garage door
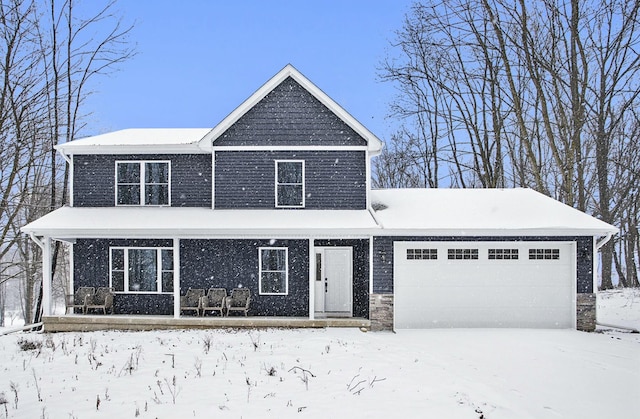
column 484, row 284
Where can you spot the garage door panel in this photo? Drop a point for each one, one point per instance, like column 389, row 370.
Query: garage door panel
column 484, row 292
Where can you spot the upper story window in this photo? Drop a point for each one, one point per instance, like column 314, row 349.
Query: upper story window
column 142, row 182
column 290, row 183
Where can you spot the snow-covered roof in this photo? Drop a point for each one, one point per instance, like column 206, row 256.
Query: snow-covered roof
column 140, row 140
column 469, row 212
column 163, row 222
column 402, row 212
column 200, row 140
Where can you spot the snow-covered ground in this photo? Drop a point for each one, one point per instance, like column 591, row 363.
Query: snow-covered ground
column 468, row 373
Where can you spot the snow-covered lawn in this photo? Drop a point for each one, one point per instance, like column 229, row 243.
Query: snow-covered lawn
column 337, row 373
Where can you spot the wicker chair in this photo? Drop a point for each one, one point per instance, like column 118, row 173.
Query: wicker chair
column 214, row 300
column 101, row 300
column 239, row 300
column 191, row 300
column 79, row 299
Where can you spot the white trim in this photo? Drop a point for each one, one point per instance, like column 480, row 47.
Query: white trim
column 213, row 179
column 370, row 267
column 143, row 183
column 159, row 270
column 367, row 165
column 46, row 277
column 72, row 270
column 373, row 143
column 176, row 278
column 290, row 148
column 286, row 270
column 312, row 278
column 276, row 183
column 69, row 160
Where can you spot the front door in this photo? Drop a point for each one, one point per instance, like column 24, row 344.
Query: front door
column 334, row 281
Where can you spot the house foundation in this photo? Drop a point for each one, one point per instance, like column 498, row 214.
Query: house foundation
column 586, row 312
column 381, row 312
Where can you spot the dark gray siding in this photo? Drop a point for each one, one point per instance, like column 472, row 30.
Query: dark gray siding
column 94, row 179
column 289, row 115
column 360, row 272
column 91, row 269
column 234, row 263
column 383, row 258
column 333, row 179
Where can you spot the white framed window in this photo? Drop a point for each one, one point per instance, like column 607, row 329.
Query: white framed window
column 289, row 183
column 141, row 269
column 274, row 270
column 143, row 182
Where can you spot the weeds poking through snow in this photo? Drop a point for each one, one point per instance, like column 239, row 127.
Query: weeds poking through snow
column 29, row 345
column 173, row 360
column 14, row 389
column 255, row 341
column 198, row 365
column 4, row 402
column 304, row 375
column 37, row 386
column 207, row 340
column 173, row 388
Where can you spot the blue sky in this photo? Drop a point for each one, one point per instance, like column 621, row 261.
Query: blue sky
column 198, row 60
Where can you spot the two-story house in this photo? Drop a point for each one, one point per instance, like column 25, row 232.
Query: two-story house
column 277, row 199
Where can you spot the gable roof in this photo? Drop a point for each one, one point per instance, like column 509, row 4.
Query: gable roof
column 374, row 144
column 480, row 212
column 139, row 140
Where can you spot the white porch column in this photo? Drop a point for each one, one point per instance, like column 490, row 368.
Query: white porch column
column 312, row 284
column 46, row 276
column 176, row 278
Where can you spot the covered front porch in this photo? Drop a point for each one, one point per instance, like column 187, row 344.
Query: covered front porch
column 88, row 322
column 290, row 268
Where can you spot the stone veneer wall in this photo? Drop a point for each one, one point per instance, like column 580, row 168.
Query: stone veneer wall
column 381, row 312
column 586, row 312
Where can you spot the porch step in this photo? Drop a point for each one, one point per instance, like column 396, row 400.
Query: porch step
column 86, row 323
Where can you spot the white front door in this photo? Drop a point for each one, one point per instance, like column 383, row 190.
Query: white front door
column 334, row 280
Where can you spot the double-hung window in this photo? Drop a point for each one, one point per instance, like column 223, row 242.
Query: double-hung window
column 290, row 183
column 142, row 182
column 274, row 264
column 141, row 269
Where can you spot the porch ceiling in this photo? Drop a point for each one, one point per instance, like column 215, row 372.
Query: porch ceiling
column 150, row 222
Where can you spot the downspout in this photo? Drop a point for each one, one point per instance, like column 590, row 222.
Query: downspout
column 599, row 246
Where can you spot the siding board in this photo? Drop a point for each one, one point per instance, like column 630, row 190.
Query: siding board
column 94, row 179
column 333, row 179
column 289, row 115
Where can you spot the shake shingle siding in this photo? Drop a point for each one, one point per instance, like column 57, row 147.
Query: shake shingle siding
column 91, row 269
column 333, row 179
column 234, row 264
column 289, row 115
column 94, row 179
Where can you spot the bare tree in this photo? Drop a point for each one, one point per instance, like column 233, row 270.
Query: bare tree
column 533, row 94
column 49, row 55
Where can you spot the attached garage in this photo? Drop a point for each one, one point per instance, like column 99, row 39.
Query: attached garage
column 484, row 284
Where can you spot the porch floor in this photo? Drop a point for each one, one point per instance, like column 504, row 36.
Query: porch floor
column 87, row 322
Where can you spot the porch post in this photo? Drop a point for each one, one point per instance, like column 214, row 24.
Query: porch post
column 312, row 274
column 46, row 276
column 176, row 278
